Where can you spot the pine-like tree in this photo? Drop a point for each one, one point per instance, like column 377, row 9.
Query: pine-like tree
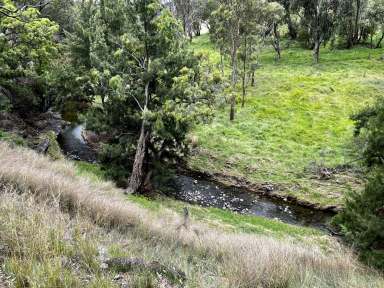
column 150, row 83
column 362, row 220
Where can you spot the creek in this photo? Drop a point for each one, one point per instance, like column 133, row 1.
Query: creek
column 200, row 191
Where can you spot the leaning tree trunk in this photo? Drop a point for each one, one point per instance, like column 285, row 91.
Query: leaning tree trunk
column 378, row 45
column 137, row 177
column 276, row 41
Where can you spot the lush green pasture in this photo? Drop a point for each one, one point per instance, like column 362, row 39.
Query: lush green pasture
column 296, row 119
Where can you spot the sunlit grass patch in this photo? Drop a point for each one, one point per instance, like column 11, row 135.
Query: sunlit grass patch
column 297, row 116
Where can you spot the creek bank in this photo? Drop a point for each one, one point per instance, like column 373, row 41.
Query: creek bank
column 38, row 131
column 270, row 190
column 201, row 190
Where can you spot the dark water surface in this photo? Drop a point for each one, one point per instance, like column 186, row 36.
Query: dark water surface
column 211, row 194
column 206, row 193
column 73, row 145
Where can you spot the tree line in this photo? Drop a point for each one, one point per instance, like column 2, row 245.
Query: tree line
column 239, row 28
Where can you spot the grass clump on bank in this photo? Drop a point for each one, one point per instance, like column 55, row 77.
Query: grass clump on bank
column 296, row 121
column 12, row 138
column 210, row 257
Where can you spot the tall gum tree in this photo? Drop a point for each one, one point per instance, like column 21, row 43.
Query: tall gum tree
column 319, row 17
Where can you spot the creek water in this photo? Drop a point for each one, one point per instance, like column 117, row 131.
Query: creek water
column 207, row 193
column 74, row 146
column 203, row 192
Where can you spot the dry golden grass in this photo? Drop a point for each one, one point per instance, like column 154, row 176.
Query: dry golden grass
column 240, row 260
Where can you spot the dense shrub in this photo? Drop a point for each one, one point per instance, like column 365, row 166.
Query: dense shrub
column 362, row 220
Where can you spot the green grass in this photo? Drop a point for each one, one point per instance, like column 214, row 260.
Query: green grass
column 297, row 117
column 215, row 217
column 94, row 172
column 12, row 138
column 234, row 222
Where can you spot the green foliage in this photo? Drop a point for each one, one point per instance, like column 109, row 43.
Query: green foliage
column 370, row 129
column 26, row 38
column 375, row 17
column 362, row 220
column 54, row 150
column 12, row 138
column 93, row 171
column 27, row 48
column 149, row 52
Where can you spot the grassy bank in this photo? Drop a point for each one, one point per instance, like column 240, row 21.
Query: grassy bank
column 81, row 220
column 295, row 122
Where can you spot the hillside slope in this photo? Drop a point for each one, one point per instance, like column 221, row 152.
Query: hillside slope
column 295, row 131
column 56, row 228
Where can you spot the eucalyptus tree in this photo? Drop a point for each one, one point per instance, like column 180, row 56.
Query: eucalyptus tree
column 184, row 12
column 352, row 21
column 274, row 15
column 288, row 11
column 237, row 25
column 375, row 16
column 319, row 17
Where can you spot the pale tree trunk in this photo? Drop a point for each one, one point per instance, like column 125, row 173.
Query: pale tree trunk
column 317, row 36
column 137, row 176
column 234, row 66
column 244, row 72
column 233, row 76
column 316, row 48
column 357, row 19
